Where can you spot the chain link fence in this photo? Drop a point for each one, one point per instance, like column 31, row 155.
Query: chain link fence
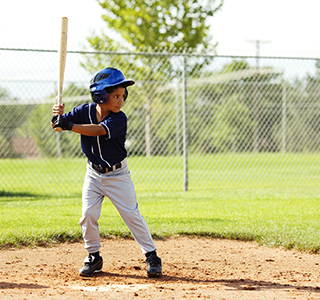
column 195, row 121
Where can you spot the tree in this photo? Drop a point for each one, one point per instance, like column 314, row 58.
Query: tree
column 305, row 121
column 154, row 24
column 228, row 97
column 162, row 23
column 10, row 119
column 4, row 94
column 167, row 24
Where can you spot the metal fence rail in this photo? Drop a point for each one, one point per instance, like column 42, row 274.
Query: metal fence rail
column 222, row 115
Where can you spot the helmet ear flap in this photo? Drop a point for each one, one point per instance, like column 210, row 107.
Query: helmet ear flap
column 100, row 96
column 125, row 94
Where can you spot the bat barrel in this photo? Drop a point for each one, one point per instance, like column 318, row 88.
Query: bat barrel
column 62, row 54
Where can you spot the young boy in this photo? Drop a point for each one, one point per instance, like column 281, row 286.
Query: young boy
column 103, row 128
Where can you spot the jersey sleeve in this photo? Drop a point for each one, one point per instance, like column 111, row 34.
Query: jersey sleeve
column 115, row 126
column 76, row 115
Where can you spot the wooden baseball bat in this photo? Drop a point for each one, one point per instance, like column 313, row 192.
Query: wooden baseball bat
column 62, row 54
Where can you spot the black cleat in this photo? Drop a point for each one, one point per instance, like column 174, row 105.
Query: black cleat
column 154, row 268
column 91, row 265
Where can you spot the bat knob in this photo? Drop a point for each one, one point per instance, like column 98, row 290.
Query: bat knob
column 58, row 129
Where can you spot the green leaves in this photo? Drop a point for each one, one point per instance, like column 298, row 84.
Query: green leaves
column 166, row 23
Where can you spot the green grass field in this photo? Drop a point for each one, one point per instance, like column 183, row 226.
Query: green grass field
column 267, row 198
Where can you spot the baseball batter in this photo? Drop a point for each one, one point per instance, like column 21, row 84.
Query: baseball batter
column 103, row 128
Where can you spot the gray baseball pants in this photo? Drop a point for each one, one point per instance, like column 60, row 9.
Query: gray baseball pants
column 119, row 188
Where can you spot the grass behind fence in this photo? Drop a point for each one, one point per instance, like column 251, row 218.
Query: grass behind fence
column 282, row 210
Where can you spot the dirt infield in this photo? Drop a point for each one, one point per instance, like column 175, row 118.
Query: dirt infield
column 193, row 268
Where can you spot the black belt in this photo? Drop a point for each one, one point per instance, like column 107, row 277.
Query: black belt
column 104, row 170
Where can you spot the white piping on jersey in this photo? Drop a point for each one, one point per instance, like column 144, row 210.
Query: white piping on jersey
column 90, row 122
column 108, row 130
column 98, row 140
column 91, row 104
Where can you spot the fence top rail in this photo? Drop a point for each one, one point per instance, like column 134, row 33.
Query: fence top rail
column 166, row 52
column 45, row 101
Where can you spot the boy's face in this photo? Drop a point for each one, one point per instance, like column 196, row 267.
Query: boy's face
column 115, row 100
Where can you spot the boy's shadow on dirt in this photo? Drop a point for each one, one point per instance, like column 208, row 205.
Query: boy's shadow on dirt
column 232, row 284
column 256, row 285
column 12, row 285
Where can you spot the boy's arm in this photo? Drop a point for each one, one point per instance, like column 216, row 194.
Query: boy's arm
column 85, row 129
column 89, row 129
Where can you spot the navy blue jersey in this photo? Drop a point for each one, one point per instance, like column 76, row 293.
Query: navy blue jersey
column 105, row 150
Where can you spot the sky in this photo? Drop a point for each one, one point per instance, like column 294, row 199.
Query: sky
column 283, row 27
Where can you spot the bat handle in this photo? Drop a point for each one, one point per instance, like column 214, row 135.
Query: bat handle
column 59, row 98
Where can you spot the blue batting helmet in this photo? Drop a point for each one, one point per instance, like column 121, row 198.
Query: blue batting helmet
column 108, row 77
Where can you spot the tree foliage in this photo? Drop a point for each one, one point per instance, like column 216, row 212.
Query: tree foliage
column 165, row 23
column 150, row 25
column 10, row 119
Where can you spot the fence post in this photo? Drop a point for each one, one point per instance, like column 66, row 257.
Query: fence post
column 178, row 120
column 148, row 128
column 185, row 124
column 284, row 118
column 148, row 118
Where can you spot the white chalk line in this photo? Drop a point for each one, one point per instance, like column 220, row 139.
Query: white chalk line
column 112, row 287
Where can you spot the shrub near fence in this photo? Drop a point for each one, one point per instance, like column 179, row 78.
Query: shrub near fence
column 204, row 121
